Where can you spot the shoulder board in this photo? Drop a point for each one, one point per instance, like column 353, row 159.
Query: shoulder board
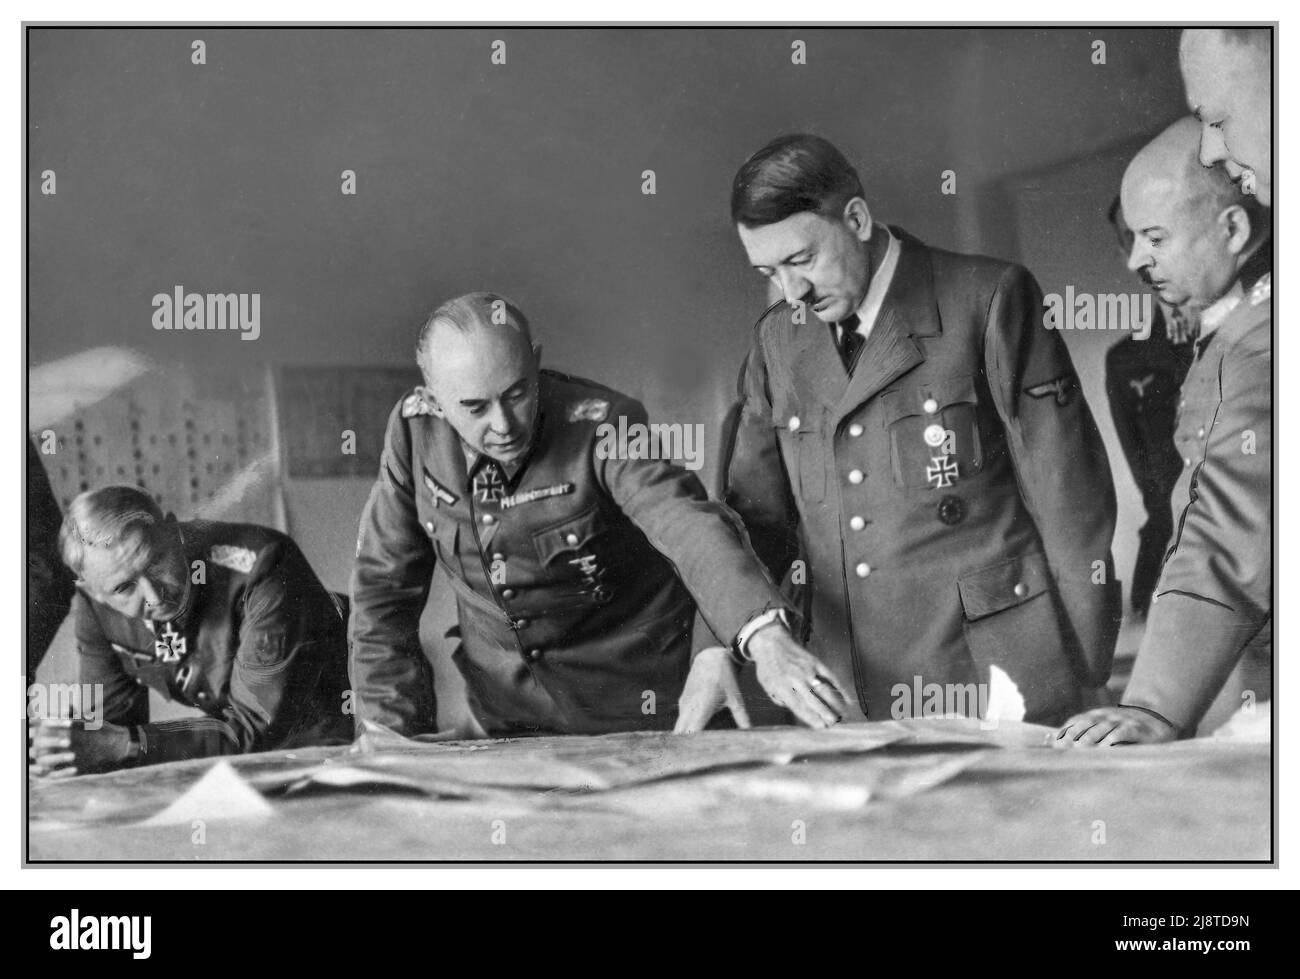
column 588, row 410
column 235, row 558
column 414, row 404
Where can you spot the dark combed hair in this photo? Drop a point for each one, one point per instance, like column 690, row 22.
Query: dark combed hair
column 790, row 175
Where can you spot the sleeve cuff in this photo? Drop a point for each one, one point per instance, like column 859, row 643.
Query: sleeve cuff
column 740, row 647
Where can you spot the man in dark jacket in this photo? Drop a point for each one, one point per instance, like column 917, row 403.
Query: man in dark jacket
column 577, row 552
column 226, row 618
column 914, row 431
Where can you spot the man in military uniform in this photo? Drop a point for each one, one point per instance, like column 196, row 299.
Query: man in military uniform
column 1143, row 376
column 925, row 449
column 1214, row 602
column 576, row 562
column 225, row 618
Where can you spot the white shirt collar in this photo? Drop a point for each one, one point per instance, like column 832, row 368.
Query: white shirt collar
column 875, row 297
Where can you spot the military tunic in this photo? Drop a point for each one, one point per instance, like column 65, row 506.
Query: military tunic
column 1214, row 601
column 1143, row 378
column 261, row 649
column 576, row 572
column 951, row 498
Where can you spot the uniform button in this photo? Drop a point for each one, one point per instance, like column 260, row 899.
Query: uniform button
column 855, row 429
column 1021, row 589
column 429, row 526
column 862, row 570
column 201, row 695
column 855, row 476
column 1200, row 433
column 508, row 593
column 1187, row 463
column 952, row 510
column 857, row 523
column 934, row 435
column 930, row 406
column 498, row 556
column 534, row 654
column 489, row 519
column 571, row 540
column 794, row 423
column 521, row 623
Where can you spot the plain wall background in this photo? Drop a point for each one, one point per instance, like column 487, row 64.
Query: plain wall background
column 525, row 179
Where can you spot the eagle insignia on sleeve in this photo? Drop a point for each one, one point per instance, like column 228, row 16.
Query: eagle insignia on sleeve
column 239, row 559
column 1061, row 387
column 414, row 404
column 589, row 410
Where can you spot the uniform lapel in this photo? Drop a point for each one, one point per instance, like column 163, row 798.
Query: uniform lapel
column 891, row 350
column 819, row 374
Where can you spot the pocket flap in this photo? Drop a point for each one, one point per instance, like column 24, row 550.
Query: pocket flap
column 1003, row 585
column 949, row 391
column 569, row 535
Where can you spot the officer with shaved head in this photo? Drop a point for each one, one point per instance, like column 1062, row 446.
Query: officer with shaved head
column 577, row 563
column 1200, row 242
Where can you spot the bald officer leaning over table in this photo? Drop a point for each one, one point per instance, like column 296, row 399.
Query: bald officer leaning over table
column 1214, row 603
column 576, row 568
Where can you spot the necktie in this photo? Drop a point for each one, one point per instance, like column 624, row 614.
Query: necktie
column 850, row 342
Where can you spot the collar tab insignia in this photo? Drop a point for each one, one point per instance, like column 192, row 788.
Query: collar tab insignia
column 239, row 559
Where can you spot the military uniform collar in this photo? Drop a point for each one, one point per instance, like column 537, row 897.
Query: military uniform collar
column 474, row 461
column 1214, row 315
column 909, row 301
column 909, row 311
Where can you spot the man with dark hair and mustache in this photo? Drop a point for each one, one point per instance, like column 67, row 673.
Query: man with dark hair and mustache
column 915, row 433
column 226, row 618
column 1200, row 242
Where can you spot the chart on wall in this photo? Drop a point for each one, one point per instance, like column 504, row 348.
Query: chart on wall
column 202, row 443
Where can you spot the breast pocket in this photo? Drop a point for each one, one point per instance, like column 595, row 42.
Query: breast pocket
column 934, row 436
column 799, row 433
column 578, row 554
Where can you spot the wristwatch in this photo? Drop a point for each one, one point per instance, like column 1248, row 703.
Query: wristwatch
column 740, row 646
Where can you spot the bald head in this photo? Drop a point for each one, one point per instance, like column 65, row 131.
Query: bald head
column 1167, row 169
column 480, row 372
column 1191, row 225
column 1228, row 75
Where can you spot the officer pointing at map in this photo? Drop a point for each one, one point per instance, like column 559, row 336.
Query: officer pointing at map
column 577, row 570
